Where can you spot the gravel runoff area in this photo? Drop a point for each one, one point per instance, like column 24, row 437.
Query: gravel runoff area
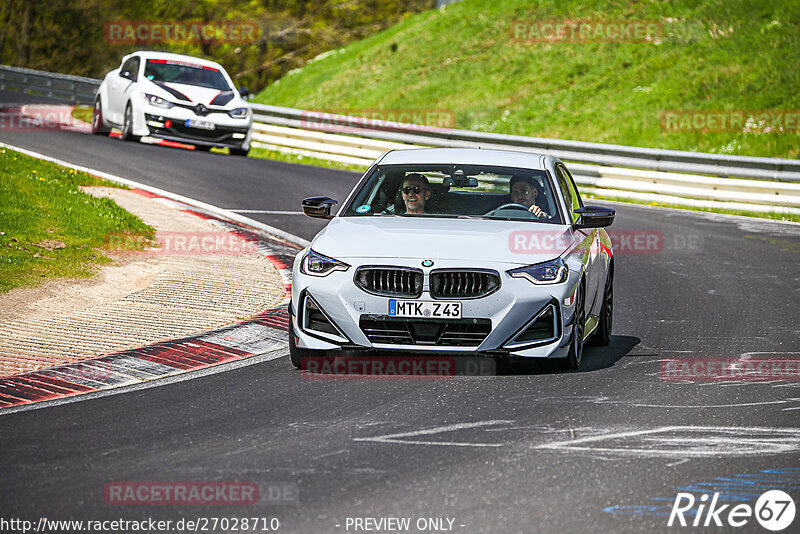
column 201, row 277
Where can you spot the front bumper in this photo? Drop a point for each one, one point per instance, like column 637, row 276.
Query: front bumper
column 163, row 126
column 494, row 320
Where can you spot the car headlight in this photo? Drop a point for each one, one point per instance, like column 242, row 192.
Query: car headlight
column 157, row 101
column 549, row 272
column 317, row 264
column 239, row 113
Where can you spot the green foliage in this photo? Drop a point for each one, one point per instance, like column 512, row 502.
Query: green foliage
column 712, row 55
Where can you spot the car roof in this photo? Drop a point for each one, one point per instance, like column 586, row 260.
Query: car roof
column 468, row 156
column 152, row 54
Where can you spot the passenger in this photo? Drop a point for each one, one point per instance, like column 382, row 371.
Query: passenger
column 416, row 192
column 525, row 190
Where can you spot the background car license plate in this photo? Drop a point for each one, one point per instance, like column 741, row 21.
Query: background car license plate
column 203, row 125
column 417, row 308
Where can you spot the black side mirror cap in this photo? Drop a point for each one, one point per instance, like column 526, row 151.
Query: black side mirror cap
column 244, row 92
column 319, row 207
column 594, row 217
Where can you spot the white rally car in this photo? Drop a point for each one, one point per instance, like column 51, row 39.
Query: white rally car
column 174, row 97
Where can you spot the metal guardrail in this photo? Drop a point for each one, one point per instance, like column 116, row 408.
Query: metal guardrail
column 733, row 182
column 616, row 182
column 74, row 89
column 574, row 151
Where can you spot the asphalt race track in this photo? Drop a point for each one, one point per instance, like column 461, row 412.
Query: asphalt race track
column 606, row 448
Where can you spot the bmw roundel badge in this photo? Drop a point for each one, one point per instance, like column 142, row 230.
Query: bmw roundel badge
column 427, row 263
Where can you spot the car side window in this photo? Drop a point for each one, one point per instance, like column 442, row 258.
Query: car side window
column 131, row 67
column 571, row 199
column 576, row 195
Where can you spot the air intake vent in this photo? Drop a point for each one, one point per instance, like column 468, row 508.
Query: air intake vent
column 390, row 281
column 315, row 321
column 542, row 329
column 463, row 283
column 441, row 333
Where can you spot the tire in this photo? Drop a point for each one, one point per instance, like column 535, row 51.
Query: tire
column 575, row 354
column 239, row 151
column 98, row 123
column 298, row 354
column 602, row 336
column 127, row 126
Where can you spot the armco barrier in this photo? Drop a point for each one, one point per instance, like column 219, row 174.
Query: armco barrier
column 74, row 89
column 678, row 177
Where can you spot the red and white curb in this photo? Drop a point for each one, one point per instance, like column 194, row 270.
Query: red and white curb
column 263, row 334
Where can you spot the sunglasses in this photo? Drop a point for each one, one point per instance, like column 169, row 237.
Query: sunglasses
column 417, row 188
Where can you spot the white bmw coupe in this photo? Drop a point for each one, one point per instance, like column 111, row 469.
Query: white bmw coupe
column 458, row 251
column 174, row 97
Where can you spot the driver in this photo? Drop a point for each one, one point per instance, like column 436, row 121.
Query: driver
column 524, row 190
column 416, row 191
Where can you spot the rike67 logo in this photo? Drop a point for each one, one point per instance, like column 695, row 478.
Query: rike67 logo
column 774, row 510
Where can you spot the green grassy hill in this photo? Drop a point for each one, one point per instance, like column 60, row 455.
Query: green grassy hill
column 707, row 55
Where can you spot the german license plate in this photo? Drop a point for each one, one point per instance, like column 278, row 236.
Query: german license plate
column 203, row 125
column 418, row 308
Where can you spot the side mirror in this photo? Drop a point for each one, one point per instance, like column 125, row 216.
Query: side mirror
column 594, row 217
column 319, row 207
column 244, row 92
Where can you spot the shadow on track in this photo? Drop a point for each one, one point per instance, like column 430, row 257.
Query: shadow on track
column 594, row 358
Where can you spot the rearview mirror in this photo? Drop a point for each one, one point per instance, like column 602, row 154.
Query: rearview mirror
column 594, row 217
column 460, row 181
column 319, row 207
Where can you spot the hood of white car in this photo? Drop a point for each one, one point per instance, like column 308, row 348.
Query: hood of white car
column 473, row 241
column 196, row 94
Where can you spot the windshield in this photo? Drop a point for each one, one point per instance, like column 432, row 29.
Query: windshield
column 456, row 191
column 164, row 70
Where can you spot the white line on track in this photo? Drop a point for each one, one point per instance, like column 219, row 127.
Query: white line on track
column 181, row 377
column 396, row 438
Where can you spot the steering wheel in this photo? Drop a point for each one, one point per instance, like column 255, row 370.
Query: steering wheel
column 514, row 206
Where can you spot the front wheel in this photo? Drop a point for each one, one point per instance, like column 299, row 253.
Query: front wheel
column 98, row 124
column 298, row 354
column 575, row 354
column 602, row 335
column 127, row 126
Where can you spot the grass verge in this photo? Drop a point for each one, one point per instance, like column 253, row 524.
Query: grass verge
column 478, row 63
column 49, row 228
